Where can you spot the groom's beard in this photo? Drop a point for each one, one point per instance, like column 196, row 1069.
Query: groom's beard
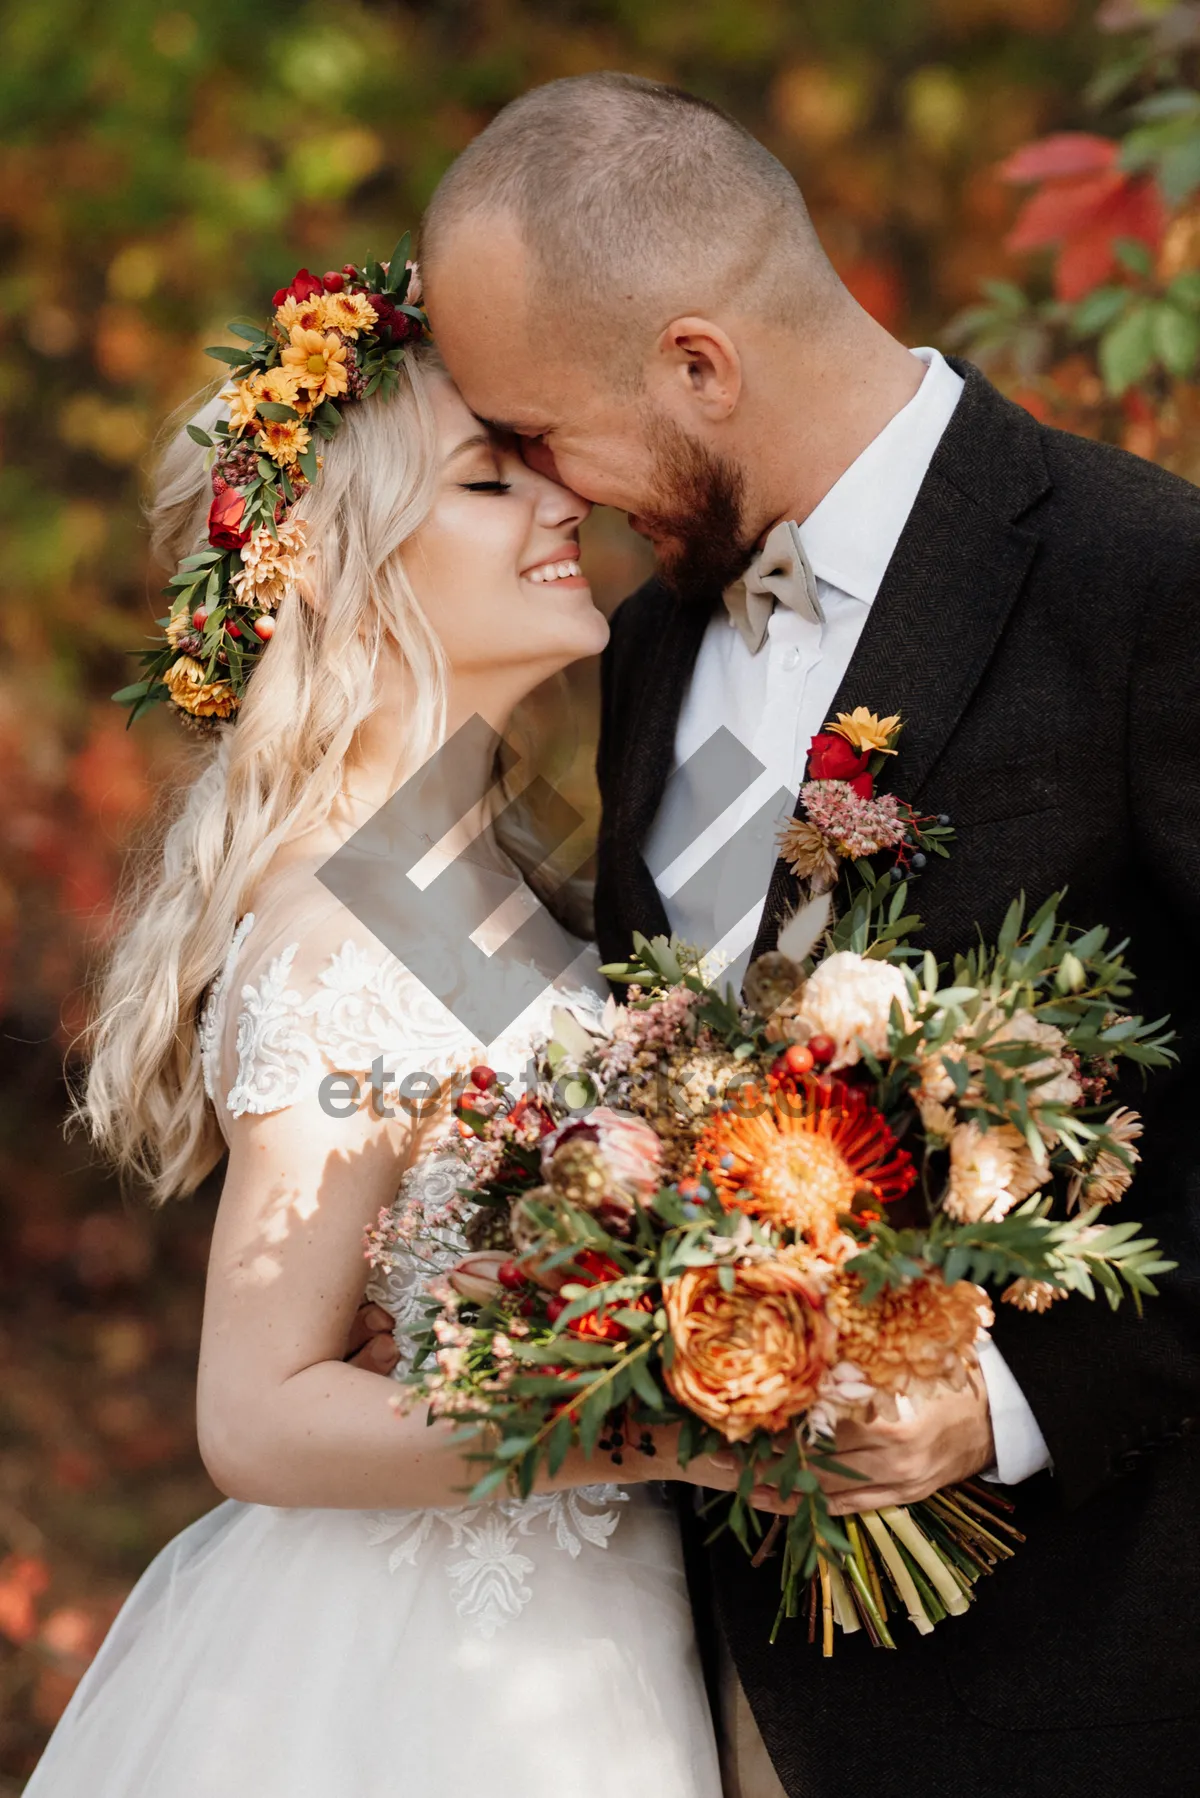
column 697, row 525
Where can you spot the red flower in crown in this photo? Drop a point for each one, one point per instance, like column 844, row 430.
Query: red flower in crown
column 225, row 517
column 301, row 287
column 832, row 758
column 391, row 322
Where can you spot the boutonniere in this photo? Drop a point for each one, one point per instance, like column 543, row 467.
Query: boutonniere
column 842, row 822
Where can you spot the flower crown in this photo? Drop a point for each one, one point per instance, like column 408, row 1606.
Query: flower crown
column 329, row 342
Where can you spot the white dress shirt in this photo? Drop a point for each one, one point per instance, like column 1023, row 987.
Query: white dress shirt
column 774, row 702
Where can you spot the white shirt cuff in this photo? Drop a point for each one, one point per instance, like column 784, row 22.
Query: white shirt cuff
column 1020, row 1446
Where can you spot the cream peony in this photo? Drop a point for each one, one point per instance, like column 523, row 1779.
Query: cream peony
column 990, row 1172
column 849, row 999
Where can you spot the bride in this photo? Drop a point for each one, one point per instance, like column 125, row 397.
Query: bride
column 344, row 1626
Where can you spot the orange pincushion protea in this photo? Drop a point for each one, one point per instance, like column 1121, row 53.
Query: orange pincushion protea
column 805, row 1158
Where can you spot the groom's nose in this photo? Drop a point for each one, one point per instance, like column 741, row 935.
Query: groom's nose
column 538, row 455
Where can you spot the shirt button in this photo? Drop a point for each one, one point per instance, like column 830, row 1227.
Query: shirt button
column 790, row 659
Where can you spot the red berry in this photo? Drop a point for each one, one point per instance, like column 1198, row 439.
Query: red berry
column 265, row 628
column 349, row 270
column 332, row 282
column 510, row 1275
column 799, row 1059
column 555, row 1309
column 199, row 618
column 482, row 1076
column 233, row 630
column 527, row 1307
column 822, row 1049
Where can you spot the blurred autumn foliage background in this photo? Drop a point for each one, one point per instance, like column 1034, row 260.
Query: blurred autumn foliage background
column 1012, row 178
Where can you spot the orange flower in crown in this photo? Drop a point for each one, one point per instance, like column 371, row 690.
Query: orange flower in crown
column 332, row 340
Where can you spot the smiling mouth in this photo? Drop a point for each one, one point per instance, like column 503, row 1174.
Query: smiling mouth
column 555, row 571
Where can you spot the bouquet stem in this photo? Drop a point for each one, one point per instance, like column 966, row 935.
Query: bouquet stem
column 920, row 1560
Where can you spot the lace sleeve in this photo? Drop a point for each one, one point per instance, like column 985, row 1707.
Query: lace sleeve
column 285, row 1015
column 307, row 992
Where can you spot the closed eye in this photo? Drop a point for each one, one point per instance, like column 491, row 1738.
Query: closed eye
column 486, row 486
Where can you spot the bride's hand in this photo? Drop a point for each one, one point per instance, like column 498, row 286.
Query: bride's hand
column 715, row 1473
column 370, row 1344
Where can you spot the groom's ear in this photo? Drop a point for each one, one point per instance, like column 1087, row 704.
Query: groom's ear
column 698, row 369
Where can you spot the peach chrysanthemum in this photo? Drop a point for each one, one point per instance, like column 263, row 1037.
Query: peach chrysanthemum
column 753, row 1358
column 279, row 385
column 192, row 693
column 318, row 362
column 983, row 1044
column 282, row 439
column 270, row 565
column 309, row 314
column 1107, row 1177
column 242, row 400
column 1032, row 1295
column 804, row 1159
column 910, row 1338
column 349, row 313
column 990, row 1171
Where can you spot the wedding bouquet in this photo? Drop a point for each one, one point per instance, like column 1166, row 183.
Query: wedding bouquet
column 754, row 1217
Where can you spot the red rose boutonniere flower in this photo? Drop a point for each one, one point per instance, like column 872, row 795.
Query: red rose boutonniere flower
column 832, row 758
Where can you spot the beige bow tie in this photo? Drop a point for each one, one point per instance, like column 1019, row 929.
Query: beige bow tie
column 780, row 574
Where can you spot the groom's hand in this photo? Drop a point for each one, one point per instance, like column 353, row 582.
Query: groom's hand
column 947, row 1438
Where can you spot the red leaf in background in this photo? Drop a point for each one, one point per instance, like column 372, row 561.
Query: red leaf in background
column 1062, row 209
column 23, row 1579
column 1087, row 205
column 1066, row 153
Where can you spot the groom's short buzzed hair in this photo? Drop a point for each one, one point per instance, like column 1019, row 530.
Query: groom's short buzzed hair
column 630, row 193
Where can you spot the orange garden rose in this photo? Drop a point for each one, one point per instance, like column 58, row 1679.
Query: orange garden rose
column 750, row 1359
column 805, row 1159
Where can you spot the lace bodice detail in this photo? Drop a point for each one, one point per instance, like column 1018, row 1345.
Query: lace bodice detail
column 301, row 1016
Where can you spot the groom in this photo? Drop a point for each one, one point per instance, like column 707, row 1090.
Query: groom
column 620, row 275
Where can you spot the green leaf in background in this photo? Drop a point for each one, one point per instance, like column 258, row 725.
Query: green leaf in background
column 1179, row 170
column 1135, row 256
column 199, row 436
column 1127, row 350
column 1176, row 338
column 1099, row 309
column 1184, row 290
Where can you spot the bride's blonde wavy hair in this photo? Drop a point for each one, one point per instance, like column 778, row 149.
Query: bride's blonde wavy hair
column 274, row 774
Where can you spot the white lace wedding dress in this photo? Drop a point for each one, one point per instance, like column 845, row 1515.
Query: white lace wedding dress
column 517, row 1650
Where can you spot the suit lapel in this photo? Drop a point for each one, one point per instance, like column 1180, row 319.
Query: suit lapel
column 652, row 732
column 958, row 568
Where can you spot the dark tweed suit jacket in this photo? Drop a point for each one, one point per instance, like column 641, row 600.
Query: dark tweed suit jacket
column 1038, row 630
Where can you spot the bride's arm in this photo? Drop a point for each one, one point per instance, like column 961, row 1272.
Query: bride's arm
column 282, row 1420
